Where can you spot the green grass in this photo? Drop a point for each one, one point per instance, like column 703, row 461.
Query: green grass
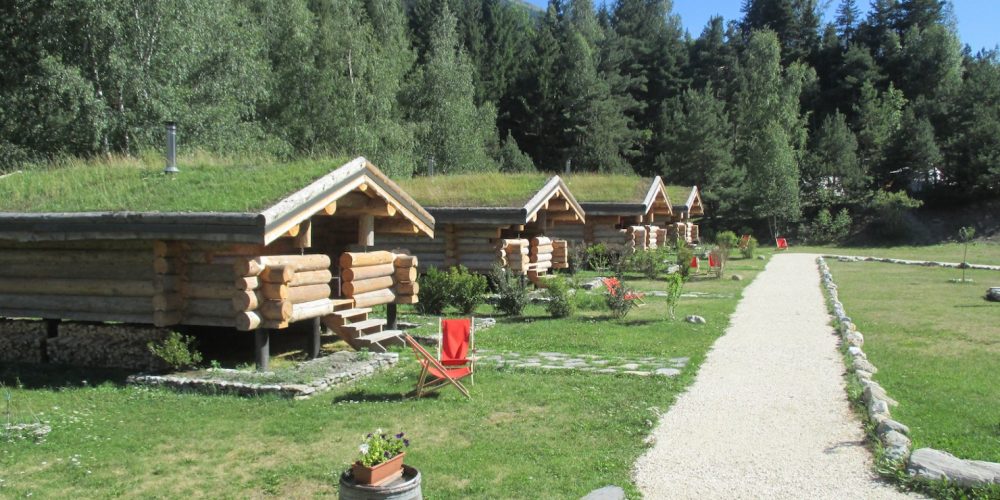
column 608, row 188
column 525, row 434
column 474, row 190
column 136, row 184
column 979, row 252
column 678, row 194
column 937, row 347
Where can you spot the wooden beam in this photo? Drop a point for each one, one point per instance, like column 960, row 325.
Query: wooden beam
column 366, row 230
column 293, row 231
column 396, row 226
column 330, row 209
column 304, row 238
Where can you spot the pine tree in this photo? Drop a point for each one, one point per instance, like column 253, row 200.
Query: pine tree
column 974, row 152
column 831, row 173
column 847, row 20
column 878, row 117
column 711, row 59
column 694, row 149
column 919, row 14
column 913, row 155
column 455, row 133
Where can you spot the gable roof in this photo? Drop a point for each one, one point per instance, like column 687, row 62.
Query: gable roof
column 510, row 211
column 262, row 226
column 654, row 198
column 688, row 199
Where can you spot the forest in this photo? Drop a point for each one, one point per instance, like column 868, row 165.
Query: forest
column 781, row 115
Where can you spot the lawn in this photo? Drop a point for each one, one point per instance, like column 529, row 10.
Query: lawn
column 979, row 253
column 525, row 434
column 937, row 347
column 136, row 184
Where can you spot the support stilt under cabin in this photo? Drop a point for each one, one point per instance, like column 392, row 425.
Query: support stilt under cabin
column 259, row 272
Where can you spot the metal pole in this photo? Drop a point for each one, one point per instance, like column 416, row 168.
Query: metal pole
column 171, row 149
column 314, row 338
column 262, row 348
column 569, row 165
column 430, row 166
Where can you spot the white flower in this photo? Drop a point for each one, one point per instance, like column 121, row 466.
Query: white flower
column 363, row 448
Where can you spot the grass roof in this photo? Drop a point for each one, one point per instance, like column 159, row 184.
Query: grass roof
column 678, row 194
column 140, row 186
column 608, row 188
column 494, row 190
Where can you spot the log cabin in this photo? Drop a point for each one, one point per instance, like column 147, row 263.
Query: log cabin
column 217, row 247
column 687, row 209
column 621, row 210
column 492, row 219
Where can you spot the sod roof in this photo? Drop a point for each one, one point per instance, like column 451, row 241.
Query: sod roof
column 138, row 186
column 679, row 194
column 600, row 188
column 488, row 190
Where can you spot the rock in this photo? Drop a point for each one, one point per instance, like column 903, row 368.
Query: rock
column 855, row 339
column 630, row 366
column 993, row 294
column 933, row 465
column 698, row 320
column 636, row 372
column 673, row 268
column 761, row 257
column 891, row 425
column 856, row 352
column 406, row 325
column 878, row 410
column 737, row 277
column 679, row 361
column 606, row 493
column 897, row 446
column 594, row 283
column 667, row 372
column 484, row 323
column 875, row 391
column 864, row 365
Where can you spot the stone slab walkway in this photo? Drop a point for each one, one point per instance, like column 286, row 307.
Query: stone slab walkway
column 643, row 367
column 767, row 415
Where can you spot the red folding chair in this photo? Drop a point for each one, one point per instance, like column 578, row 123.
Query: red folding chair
column 453, row 362
column 781, row 243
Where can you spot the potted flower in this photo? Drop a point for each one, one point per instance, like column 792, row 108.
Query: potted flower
column 381, row 458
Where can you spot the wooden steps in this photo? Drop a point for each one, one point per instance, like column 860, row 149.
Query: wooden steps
column 353, row 326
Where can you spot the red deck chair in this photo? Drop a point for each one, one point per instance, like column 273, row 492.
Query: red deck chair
column 781, row 243
column 458, row 341
column 744, row 242
column 436, row 373
column 715, row 264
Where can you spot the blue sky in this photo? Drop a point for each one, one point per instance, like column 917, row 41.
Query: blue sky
column 976, row 18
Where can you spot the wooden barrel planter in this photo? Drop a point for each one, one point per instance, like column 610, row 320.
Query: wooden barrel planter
column 406, row 487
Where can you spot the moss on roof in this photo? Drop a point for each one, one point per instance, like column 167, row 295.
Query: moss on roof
column 608, row 188
column 494, row 190
column 140, row 186
column 679, row 194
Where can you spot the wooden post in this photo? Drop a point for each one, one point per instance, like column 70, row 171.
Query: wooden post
column 304, row 239
column 390, row 316
column 314, row 340
column 262, row 348
column 52, row 328
column 366, row 230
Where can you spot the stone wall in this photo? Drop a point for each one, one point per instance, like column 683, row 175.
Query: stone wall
column 80, row 344
column 22, row 341
column 925, row 463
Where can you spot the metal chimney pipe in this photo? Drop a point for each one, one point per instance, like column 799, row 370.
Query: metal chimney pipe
column 430, row 166
column 171, row 149
column 569, row 165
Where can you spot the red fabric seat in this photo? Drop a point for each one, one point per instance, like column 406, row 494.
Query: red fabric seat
column 456, row 373
column 453, row 361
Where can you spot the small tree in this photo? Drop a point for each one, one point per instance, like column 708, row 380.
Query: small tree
column 726, row 242
column 965, row 235
column 675, row 284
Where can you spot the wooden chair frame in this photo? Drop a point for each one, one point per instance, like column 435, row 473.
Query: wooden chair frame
column 427, row 361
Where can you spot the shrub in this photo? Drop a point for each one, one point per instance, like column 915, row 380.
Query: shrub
column 619, row 299
column 467, row 290
column 649, row 263
column 750, row 249
column 560, row 304
column 512, row 295
column 675, row 284
column 597, row 257
column 826, row 229
column 684, row 256
column 891, row 209
column 177, row 351
column 725, row 242
column 435, row 292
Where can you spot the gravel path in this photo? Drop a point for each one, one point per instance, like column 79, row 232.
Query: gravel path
column 767, row 416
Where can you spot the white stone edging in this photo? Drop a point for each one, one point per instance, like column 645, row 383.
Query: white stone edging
column 925, row 263
column 925, row 463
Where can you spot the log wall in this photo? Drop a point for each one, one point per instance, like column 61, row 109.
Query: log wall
column 379, row 277
column 273, row 291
